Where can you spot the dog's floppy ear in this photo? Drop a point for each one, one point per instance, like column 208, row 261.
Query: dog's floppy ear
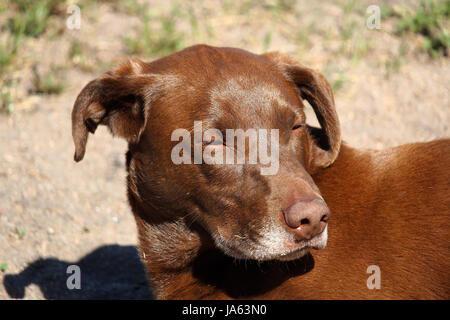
column 116, row 99
column 313, row 87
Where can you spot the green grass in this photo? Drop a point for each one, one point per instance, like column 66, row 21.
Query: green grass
column 21, row 233
column 6, row 103
column 81, row 59
column 30, row 19
column 431, row 20
column 193, row 20
column 337, row 84
column 49, row 83
column 349, row 6
column 75, row 50
column 131, row 7
column 386, row 12
column 336, row 77
column 8, row 50
column 353, row 45
column 282, row 6
column 394, row 64
column 361, row 47
column 161, row 41
column 32, row 16
column 302, row 36
column 244, row 7
column 3, row 266
column 337, row 81
column 6, row 97
column 348, row 29
column 267, row 41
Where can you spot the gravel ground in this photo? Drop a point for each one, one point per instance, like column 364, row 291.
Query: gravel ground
column 55, row 212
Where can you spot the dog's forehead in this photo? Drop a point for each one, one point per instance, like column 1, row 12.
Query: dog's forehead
column 228, row 83
column 246, row 97
column 230, row 69
column 246, row 91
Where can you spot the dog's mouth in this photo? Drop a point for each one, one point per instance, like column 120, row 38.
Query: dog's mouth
column 293, row 249
column 300, row 248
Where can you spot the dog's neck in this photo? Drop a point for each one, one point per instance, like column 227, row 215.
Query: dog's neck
column 358, row 168
column 168, row 249
column 182, row 261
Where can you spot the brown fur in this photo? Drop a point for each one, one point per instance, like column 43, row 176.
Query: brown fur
column 389, row 208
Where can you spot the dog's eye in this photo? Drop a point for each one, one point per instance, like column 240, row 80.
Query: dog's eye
column 297, row 126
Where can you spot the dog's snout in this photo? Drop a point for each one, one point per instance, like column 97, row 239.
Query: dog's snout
column 306, row 219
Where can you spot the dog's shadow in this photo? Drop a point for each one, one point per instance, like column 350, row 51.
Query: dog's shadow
column 108, row 272
column 242, row 279
column 116, row 272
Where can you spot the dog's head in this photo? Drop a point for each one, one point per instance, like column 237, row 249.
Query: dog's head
column 252, row 192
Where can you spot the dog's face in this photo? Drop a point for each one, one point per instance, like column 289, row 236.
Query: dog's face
column 178, row 114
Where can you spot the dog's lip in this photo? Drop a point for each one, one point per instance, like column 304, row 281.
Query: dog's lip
column 295, row 249
column 296, row 245
column 294, row 254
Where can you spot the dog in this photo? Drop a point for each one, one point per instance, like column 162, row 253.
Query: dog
column 216, row 230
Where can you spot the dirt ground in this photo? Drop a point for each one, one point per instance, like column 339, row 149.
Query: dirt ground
column 55, row 212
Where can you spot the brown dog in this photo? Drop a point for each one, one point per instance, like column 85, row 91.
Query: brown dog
column 218, row 230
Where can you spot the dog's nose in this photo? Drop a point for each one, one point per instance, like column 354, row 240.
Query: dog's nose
column 306, row 219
